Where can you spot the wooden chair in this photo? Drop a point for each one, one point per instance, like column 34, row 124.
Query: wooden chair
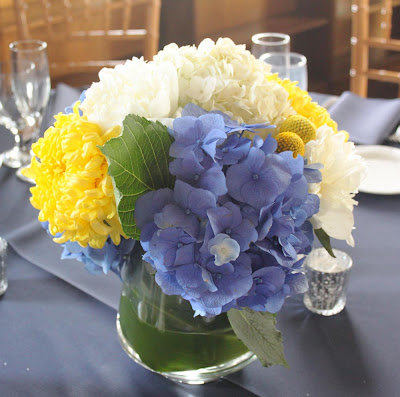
column 84, row 35
column 362, row 41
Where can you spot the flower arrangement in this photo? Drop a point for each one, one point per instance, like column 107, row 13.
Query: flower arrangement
column 221, row 170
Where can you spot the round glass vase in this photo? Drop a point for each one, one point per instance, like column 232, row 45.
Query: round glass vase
column 159, row 331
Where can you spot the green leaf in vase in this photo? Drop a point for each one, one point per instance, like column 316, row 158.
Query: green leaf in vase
column 325, row 240
column 258, row 332
column 137, row 162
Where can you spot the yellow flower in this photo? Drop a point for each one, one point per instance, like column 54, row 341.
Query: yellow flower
column 290, row 141
column 301, row 126
column 73, row 190
column 303, row 105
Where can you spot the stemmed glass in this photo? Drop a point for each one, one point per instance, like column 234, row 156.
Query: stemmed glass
column 30, row 84
column 12, row 120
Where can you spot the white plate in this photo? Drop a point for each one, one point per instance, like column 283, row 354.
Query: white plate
column 383, row 173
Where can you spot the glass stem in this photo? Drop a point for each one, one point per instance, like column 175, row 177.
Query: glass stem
column 32, row 132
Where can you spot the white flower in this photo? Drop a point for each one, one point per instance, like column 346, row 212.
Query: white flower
column 224, row 248
column 342, row 174
column 227, row 77
column 220, row 75
column 144, row 88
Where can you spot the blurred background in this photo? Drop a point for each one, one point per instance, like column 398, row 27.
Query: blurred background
column 319, row 29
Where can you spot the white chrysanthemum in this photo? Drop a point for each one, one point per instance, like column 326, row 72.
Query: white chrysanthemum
column 342, row 174
column 227, row 77
column 144, row 88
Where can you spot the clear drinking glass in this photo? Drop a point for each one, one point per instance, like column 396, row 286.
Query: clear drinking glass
column 327, row 281
column 30, row 83
column 292, row 66
column 263, row 43
column 3, row 276
column 11, row 118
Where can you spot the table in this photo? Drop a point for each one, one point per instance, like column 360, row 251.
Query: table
column 57, row 322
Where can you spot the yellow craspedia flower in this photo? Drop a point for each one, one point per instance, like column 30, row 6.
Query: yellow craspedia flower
column 73, row 190
column 289, row 141
column 303, row 104
column 300, row 125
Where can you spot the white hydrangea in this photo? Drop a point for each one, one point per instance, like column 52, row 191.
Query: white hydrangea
column 342, row 174
column 220, row 75
column 227, row 77
column 147, row 89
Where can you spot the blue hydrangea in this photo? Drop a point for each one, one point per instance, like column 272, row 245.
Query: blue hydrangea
column 206, row 175
column 206, row 132
column 188, row 209
column 109, row 258
column 234, row 149
column 233, row 231
column 229, row 125
column 228, row 219
column 259, row 179
column 224, row 248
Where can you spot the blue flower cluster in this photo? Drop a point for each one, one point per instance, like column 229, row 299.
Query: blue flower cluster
column 234, row 230
column 109, row 258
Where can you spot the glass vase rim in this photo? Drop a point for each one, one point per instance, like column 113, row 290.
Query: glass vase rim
column 258, row 38
column 301, row 63
column 33, row 45
column 346, row 260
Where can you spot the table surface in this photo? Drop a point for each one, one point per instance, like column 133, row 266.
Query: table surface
column 57, row 323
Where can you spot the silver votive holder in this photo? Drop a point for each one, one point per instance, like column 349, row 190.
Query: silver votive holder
column 327, row 281
column 3, row 275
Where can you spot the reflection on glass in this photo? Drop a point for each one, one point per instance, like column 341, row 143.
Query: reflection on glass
column 292, row 66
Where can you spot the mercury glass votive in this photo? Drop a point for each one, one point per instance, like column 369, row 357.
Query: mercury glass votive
column 3, row 276
column 327, row 281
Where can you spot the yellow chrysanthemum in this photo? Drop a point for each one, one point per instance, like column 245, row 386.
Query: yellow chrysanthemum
column 289, row 141
column 73, row 191
column 300, row 125
column 303, row 104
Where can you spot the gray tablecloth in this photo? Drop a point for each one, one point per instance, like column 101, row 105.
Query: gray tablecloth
column 57, row 337
column 57, row 341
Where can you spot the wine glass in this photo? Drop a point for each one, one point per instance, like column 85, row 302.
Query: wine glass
column 11, row 118
column 30, row 83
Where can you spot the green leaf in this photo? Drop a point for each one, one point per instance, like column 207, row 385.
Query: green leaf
column 325, row 240
column 257, row 331
column 137, row 162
